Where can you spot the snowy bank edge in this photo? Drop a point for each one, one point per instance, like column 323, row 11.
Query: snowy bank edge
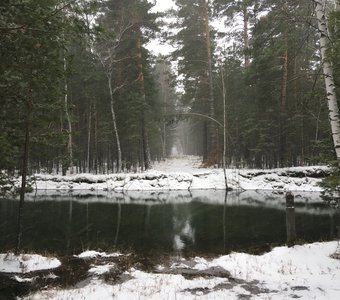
column 25, row 263
column 283, row 271
column 293, row 179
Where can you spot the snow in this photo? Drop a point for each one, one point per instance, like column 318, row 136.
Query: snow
column 162, row 5
column 91, row 254
column 99, row 270
column 185, row 173
column 304, row 272
column 284, row 269
column 19, row 279
column 24, row 263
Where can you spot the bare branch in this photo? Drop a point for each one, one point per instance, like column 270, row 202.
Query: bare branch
column 117, row 88
column 201, row 115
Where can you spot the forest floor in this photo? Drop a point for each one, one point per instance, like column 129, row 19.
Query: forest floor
column 309, row 271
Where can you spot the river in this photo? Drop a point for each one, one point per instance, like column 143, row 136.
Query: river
column 167, row 223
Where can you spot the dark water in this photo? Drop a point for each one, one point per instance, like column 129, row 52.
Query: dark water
column 204, row 224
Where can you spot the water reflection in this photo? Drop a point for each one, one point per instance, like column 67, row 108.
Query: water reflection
column 224, row 219
column 290, row 219
column 290, row 225
column 204, row 222
column 183, row 232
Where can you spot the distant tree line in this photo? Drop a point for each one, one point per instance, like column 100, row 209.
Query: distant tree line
column 276, row 106
column 79, row 91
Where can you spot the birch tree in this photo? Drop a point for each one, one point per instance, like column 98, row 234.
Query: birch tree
column 107, row 52
column 333, row 110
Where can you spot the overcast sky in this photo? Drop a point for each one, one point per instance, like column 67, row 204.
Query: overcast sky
column 155, row 45
column 162, row 5
column 158, row 47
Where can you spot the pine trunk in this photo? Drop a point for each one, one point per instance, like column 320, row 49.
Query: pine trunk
column 89, row 139
column 140, row 79
column 283, row 110
column 165, row 104
column 283, row 102
column 284, row 82
column 245, row 35
column 333, row 110
column 212, row 139
column 224, row 95
column 24, row 171
column 95, row 152
column 69, row 124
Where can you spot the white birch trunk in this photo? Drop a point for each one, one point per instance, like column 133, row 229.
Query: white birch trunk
column 333, row 110
column 113, row 115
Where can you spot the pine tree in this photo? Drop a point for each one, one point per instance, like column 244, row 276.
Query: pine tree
column 165, row 107
column 195, row 62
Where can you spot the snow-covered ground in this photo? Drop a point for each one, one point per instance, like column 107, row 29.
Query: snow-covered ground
column 25, row 263
column 304, row 272
column 185, row 173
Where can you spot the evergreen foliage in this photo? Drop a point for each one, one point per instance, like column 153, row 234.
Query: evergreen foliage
column 56, row 50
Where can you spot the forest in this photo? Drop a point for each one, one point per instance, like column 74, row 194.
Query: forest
column 181, row 151
column 81, row 92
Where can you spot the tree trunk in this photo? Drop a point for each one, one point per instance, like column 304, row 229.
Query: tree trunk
column 283, row 108
column 212, row 132
column 95, row 152
column 24, row 171
column 224, row 131
column 140, row 79
column 245, row 35
column 164, row 141
column 69, row 123
column 333, row 110
column 145, row 145
column 284, row 82
column 113, row 115
column 283, row 102
column 165, row 100
column 89, row 139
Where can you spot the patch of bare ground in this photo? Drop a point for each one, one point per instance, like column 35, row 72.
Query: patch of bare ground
column 253, row 287
column 74, row 271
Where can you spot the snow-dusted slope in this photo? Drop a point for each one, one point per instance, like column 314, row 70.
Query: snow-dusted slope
column 24, row 263
column 185, row 174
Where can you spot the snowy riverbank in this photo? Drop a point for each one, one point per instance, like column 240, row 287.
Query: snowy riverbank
column 185, row 174
column 306, row 272
column 310, row 271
